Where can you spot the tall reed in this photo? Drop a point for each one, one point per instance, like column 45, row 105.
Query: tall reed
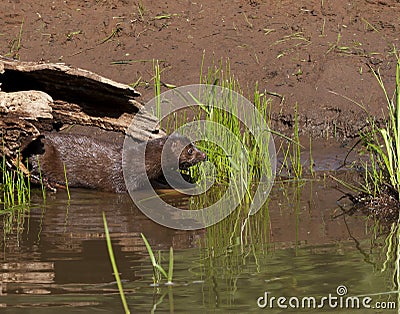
column 383, row 144
column 297, row 167
column 157, row 87
column 248, row 155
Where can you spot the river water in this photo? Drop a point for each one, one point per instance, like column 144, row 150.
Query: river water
column 297, row 246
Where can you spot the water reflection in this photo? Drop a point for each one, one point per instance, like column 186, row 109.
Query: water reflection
column 63, row 242
column 291, row 247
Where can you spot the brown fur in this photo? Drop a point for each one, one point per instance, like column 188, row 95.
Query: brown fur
column 95, row 164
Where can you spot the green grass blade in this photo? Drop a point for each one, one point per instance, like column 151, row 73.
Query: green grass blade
column 152, row 257
column 149, row 250
column 66, row 182
column 114, row 265
column 348, row 185
column 161, row 269
column 171, row 265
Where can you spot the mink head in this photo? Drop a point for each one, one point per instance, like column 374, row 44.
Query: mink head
column 189, row 154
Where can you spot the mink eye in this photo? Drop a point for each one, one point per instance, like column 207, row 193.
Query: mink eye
column 190, row 151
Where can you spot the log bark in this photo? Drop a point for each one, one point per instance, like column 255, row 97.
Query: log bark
column 38, row 97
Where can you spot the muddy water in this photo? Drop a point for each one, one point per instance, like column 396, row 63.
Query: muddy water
column 292, row 248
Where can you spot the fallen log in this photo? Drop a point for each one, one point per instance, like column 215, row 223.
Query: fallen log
column 38, row 97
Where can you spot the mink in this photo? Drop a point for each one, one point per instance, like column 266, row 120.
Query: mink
column 97, row 164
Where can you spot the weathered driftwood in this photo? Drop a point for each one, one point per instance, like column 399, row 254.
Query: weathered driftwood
column 32, row 105
column 37, row 97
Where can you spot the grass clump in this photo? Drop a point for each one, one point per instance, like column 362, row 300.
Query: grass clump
column 383, row 145
column 294, row 157
column 15, row 195
column 379, row 193
column 251, row 149
column 158, row 270
column 15, row 188
column 382, row 176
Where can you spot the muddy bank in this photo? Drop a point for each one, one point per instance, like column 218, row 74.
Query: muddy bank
column 298, row 52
